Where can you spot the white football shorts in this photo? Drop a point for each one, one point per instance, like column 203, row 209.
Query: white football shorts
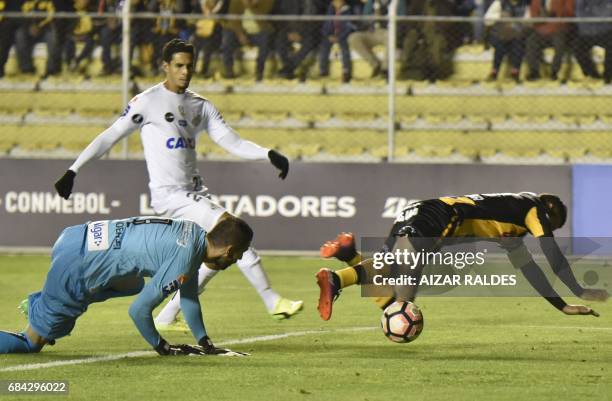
column 190, row 205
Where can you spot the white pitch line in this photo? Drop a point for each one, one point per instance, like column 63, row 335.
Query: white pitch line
column 249, row 340
column 566, row 327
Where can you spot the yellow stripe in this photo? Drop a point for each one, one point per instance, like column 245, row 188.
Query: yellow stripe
column 348, row 276
column 533, row 223
column 460, row 199
column 382, row 301
column 355, row 261
column 488, row 229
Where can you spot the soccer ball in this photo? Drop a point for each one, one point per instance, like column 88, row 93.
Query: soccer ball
column 402, row 322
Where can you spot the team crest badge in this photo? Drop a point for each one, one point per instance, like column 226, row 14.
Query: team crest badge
column 181, row 110
column 197, row 119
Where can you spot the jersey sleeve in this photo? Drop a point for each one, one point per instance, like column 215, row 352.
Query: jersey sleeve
column 169, row 278
column 130, row 120
column 223, row 135
column 190, row 305
column 141, row 312
column 537, row 223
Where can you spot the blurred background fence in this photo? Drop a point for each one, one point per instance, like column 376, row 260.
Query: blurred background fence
column 471, row 81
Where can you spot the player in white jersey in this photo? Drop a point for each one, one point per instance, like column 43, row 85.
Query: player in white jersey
column 170, row 117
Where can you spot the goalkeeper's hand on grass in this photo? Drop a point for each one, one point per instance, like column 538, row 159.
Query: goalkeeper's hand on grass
column 63, row 186
column 579, row 310
column 163, row 348
column 208, row 348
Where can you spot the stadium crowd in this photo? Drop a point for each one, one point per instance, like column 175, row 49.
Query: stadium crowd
column 426, row 49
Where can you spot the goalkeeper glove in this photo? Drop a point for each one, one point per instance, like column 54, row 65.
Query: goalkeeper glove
column 163, row 348
column 208, row 348
column 63, row 186
column 280, row 162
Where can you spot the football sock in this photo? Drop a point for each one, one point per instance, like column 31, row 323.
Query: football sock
column 16, row 343
column 355, row 260
column 383, row 302
column 173, row 307
column 250, row 266
column 348, row 276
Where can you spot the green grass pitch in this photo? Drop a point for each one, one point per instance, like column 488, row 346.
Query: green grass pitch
column 471, row 349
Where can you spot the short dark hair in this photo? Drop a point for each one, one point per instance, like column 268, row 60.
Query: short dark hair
column 554, row 205
column 176, row 46
column 230, row 231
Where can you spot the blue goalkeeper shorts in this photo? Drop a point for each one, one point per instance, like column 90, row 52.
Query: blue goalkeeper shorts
column 54, row 310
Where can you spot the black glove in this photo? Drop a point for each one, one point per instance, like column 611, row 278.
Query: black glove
column 163, row 348
column 63, row 186
column 280, row 162
column 208, row 348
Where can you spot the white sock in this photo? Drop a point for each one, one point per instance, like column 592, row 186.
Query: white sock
column 169, row 313
column 250, row 266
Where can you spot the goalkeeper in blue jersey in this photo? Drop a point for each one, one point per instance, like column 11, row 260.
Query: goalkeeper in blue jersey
column 107, row 259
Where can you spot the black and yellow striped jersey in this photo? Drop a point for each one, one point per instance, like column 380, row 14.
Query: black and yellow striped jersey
column 499, row 215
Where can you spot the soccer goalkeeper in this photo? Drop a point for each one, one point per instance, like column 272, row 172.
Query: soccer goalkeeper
column 503, row 218
column 107, row 259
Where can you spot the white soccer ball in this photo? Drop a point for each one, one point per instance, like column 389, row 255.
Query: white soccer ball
column 402, row 322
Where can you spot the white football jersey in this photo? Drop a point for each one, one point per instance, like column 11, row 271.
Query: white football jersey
column 169, row 125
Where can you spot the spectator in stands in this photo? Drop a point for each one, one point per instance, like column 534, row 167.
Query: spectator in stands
column 8, row 26
column 308, row 36
column 594, row 34
column 547, row 34
column 140, row 34
column 336, row 31
column 82, row 31
column 508, row 38
column 166, row 27
column 286, row 33
column 426, row 53
column 247, row 31
column 207, row 35
column 63, row 28
column 110, row 34
column 462, row 32
column 479, row 32
column 375, row 34
column 36, row 29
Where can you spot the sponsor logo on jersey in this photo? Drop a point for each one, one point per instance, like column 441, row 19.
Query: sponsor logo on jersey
column 119, row 229
column 174, row 285
column 185, row 237
column 137, row 118
column 197, row 119
column 97, row 236
column 182, row 123
column 407, row 213
column 169, row 117
column 181, row 143
column 126, row 111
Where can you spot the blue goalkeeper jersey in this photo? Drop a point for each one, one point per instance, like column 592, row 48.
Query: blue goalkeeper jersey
column 169, row 251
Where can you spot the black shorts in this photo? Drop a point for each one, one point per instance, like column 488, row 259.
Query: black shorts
column 425, row 224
